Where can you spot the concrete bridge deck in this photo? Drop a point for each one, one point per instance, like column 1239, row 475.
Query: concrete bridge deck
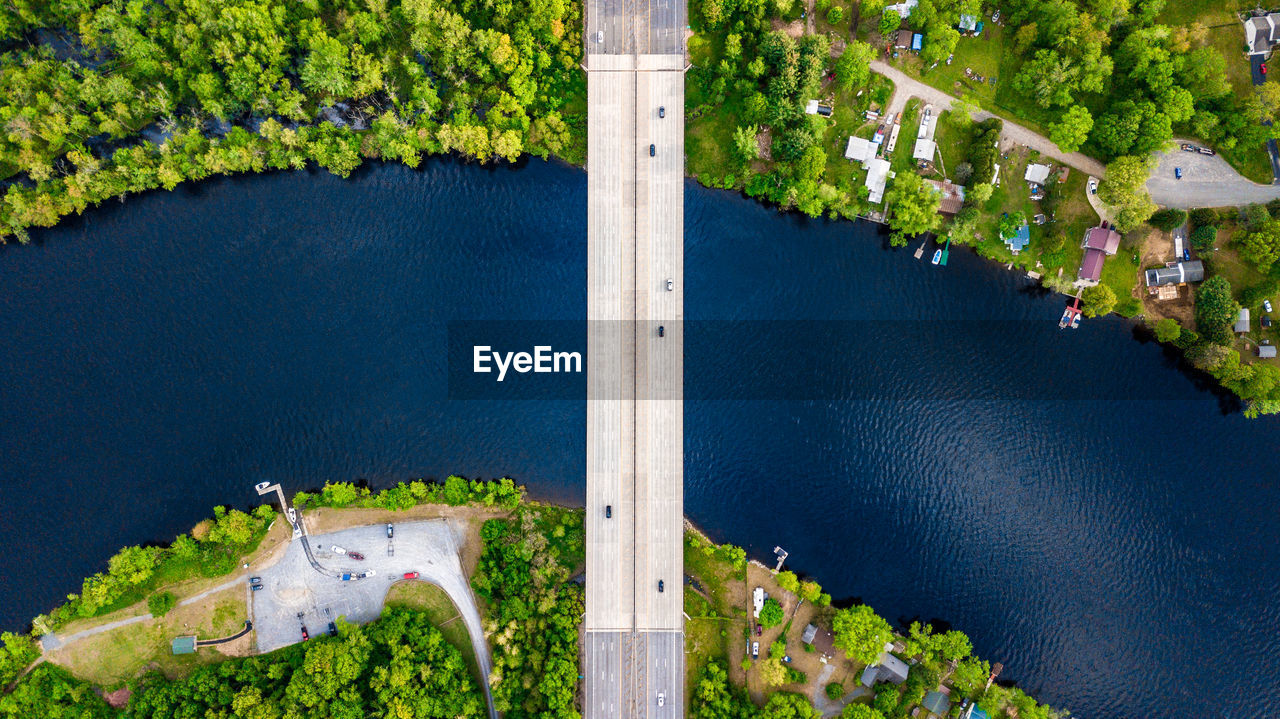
column 635, row 457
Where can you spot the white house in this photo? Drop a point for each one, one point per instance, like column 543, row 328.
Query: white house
column 904, row 8
column 1261, row 32
column 860, row 150
column 877, row 175
column 1037, row 174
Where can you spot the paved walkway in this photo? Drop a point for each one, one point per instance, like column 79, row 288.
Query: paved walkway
column 52, row 641
column 908, row 87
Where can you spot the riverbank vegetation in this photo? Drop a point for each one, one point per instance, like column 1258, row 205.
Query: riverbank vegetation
column 102, row 99
column 454, row 491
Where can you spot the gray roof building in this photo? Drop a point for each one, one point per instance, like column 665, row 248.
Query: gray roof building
column 936, row 702
column 810, row 631
column 1180, row 273
column 1242, row 320
column 1265, row 351
column 1261, row 32
column 890, row 669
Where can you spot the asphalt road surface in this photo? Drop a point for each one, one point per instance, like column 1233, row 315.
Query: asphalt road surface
column 1207, row 181
column 634, row 653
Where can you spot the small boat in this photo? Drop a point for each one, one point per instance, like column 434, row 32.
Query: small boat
column 937, row 256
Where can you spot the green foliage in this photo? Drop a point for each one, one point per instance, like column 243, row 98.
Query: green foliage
column 1216, row 310
column 455, row 491
column 788, row 581
column 835, row 15
column 1203, row 237
column 834, row 691
column 523, row 574
column 50, row 692
column 1124, row 189
column 1262, row 246
column 1168, row 330
column 160, row 603
column 16, row 653
column 890, row 21
column 1072, row 128
column 914, row 205
column 714, row 698
column 1167, row 219
column 853, row 67
column 1098, row 300
column 861, row 633
column 786, row 705
column 397, row 665
column 771, row 613
column 855, row 710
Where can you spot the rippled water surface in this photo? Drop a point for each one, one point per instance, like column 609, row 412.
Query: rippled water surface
column 922, row 438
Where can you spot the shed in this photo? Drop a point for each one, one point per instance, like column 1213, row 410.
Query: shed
column 936, row 702
column 1242, row 320
column 860, row 150
column 902, row 39
column 810, row 631
column 1265, row 351
column 1102, row 238
column 917, row 42
column 1037, row 173
column 183, row 645
column 1091, row 265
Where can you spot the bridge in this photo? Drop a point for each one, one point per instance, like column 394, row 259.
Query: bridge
column 634, row 628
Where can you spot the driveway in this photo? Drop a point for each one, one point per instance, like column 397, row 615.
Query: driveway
column 293, row 587
column 907, row 87
column 1207, row 181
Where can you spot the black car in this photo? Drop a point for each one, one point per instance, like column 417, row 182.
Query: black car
column 333, row 629
column 255, row 580
column 608, row 511
column 662, row 331
column 1266, row 320
column 653, row 150
column 255, row 587
column 662, row 111
column 660, row 585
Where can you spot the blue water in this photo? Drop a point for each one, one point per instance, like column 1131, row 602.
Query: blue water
column 1087, row 511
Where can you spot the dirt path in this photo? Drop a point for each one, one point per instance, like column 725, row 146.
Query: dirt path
column 808, row 15
column 907, row 87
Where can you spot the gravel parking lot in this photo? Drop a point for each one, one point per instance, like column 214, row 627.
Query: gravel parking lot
column 295, row 595
column 1207, row 181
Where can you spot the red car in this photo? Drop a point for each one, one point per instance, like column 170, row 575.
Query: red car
column 305, row 635
column 410, row 575
column 1262, row 68
column 356, row 556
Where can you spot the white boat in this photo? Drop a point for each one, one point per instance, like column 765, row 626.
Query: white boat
column 937, row 256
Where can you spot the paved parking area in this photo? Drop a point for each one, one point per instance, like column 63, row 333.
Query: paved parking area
column 292, row 587
column 1207, row 181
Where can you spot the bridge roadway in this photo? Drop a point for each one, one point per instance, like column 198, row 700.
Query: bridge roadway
column 634, row 634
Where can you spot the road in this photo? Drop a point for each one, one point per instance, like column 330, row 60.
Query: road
column 907, row 87
column 1207, row 181
column 634, row 629
column 292, row 586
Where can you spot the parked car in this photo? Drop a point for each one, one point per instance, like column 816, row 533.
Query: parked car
column 608, row 511
column 1266, row 320
column 364, row 575
column 755, row 649
column 786, row 658
column 1262, row 68
column 333, row 629
column 662, row 111
column 1266, row 305
column 305, row 635
column 255, row 580
column 391, row 531
column 337, row 550
column 759, row 629
column 255, row 587
column 260, row 486
column 292, row 515
column 653, row 150
column 1093, row 187
column 356, row 556
column 1188, row 147
column 1205, row 151
column 995, row 16
column 410, row 575
column 1177, row 173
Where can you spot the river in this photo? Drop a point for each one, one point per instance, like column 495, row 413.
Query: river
column 924, row 439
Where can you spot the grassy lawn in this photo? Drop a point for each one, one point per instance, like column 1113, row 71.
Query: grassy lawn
column 436, row 604
column 902, row 159
column 981, row 54
column 716, row 606
column 110, row 658
column 953, row 143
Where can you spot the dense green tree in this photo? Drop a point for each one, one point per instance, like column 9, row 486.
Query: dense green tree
column 1124, row 189
column 1168, row 330
column 1216, row 309
column 1203, row 237
column 1098, row 300
column 890, row 21
column 853, row 68
column 861, row 633
column 771, row 613
column 1072, row 128
column 1167, row 219
column 913, row 205
column 1262, row 247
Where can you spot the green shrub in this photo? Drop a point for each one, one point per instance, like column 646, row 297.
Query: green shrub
column 1203, row 237
column 1167, row 219
column 771, row 613
column 160, row 603
column 835, row 15
column 835, row 690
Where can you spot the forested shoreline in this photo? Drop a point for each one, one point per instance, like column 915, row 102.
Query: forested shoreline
column 139, row 96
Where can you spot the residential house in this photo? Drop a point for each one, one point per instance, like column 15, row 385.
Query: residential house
column 1091, row 267
column 878, row 175
column 1242, row 321
column 1102, row 238
column 1176, row 273
column 860, row 150
column 1036, row 173
column 952, row 197
column 936, row 703
column 902, row 40
column 1262, row 32
column 1020, row 238
column 1266, row 351
column 888, row 669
